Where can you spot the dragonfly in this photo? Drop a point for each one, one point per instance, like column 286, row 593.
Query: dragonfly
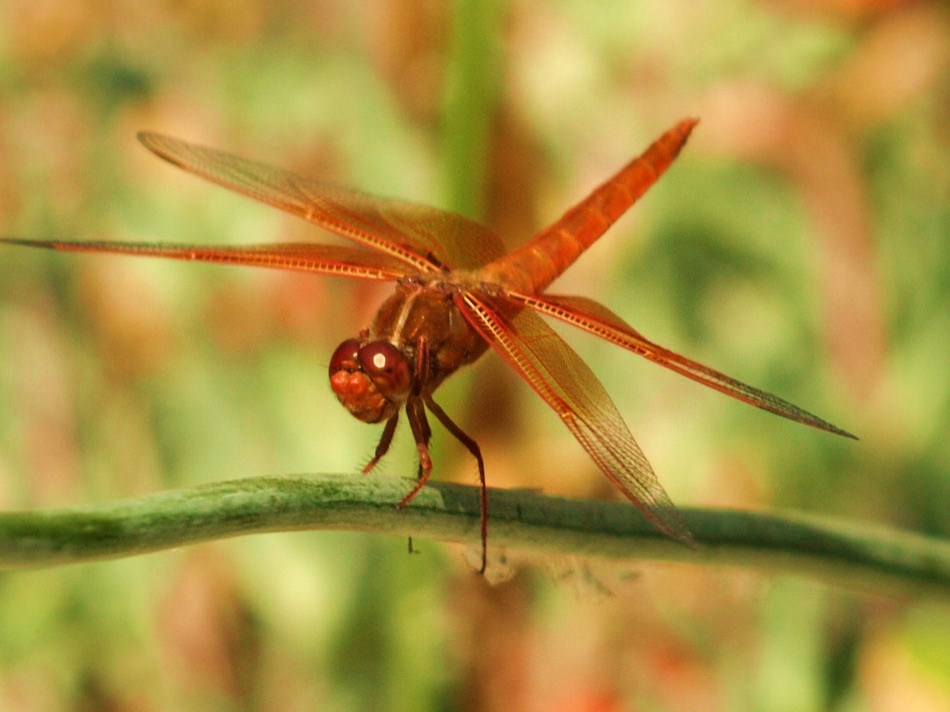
column 459, row 293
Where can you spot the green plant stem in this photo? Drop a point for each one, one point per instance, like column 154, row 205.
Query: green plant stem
column 471, row 96
column 518, row 520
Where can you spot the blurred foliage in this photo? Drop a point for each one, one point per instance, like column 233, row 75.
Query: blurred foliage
column 800, row 243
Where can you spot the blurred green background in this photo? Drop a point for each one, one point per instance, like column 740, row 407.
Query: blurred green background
column 800, row 244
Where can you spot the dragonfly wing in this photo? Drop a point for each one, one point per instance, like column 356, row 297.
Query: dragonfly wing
column 425, row 238
column 597, row 319
column 304, row 257
column 563, row 380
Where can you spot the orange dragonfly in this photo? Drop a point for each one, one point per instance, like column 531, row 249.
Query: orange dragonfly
column 457, row 293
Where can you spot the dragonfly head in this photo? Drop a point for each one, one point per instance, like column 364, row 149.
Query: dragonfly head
column 370, row 378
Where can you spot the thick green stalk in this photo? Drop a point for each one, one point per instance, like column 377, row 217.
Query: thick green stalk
column 847, row 553
column 472, row 85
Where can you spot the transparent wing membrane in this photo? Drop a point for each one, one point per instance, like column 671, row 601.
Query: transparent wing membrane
column 597, row 319
column 570, row 388
column 424, row 238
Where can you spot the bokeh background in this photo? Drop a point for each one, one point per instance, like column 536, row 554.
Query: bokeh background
column 799, row 244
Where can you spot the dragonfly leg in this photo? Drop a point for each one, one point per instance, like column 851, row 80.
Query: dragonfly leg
column 415, row 411
column 419, row 424
column 424, row 433
column 384, row 442
column 473, row 448
column 424, row 459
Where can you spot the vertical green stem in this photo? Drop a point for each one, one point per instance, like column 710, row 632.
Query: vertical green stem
column 471, row 93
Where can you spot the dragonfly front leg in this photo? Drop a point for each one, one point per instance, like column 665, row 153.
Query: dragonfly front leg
column 384, row 442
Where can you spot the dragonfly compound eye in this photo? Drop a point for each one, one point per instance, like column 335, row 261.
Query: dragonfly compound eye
column 346, row 357
column 389, row 369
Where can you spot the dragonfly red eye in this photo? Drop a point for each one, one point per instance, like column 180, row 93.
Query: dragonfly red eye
column 346, row 357
column 388, row 367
